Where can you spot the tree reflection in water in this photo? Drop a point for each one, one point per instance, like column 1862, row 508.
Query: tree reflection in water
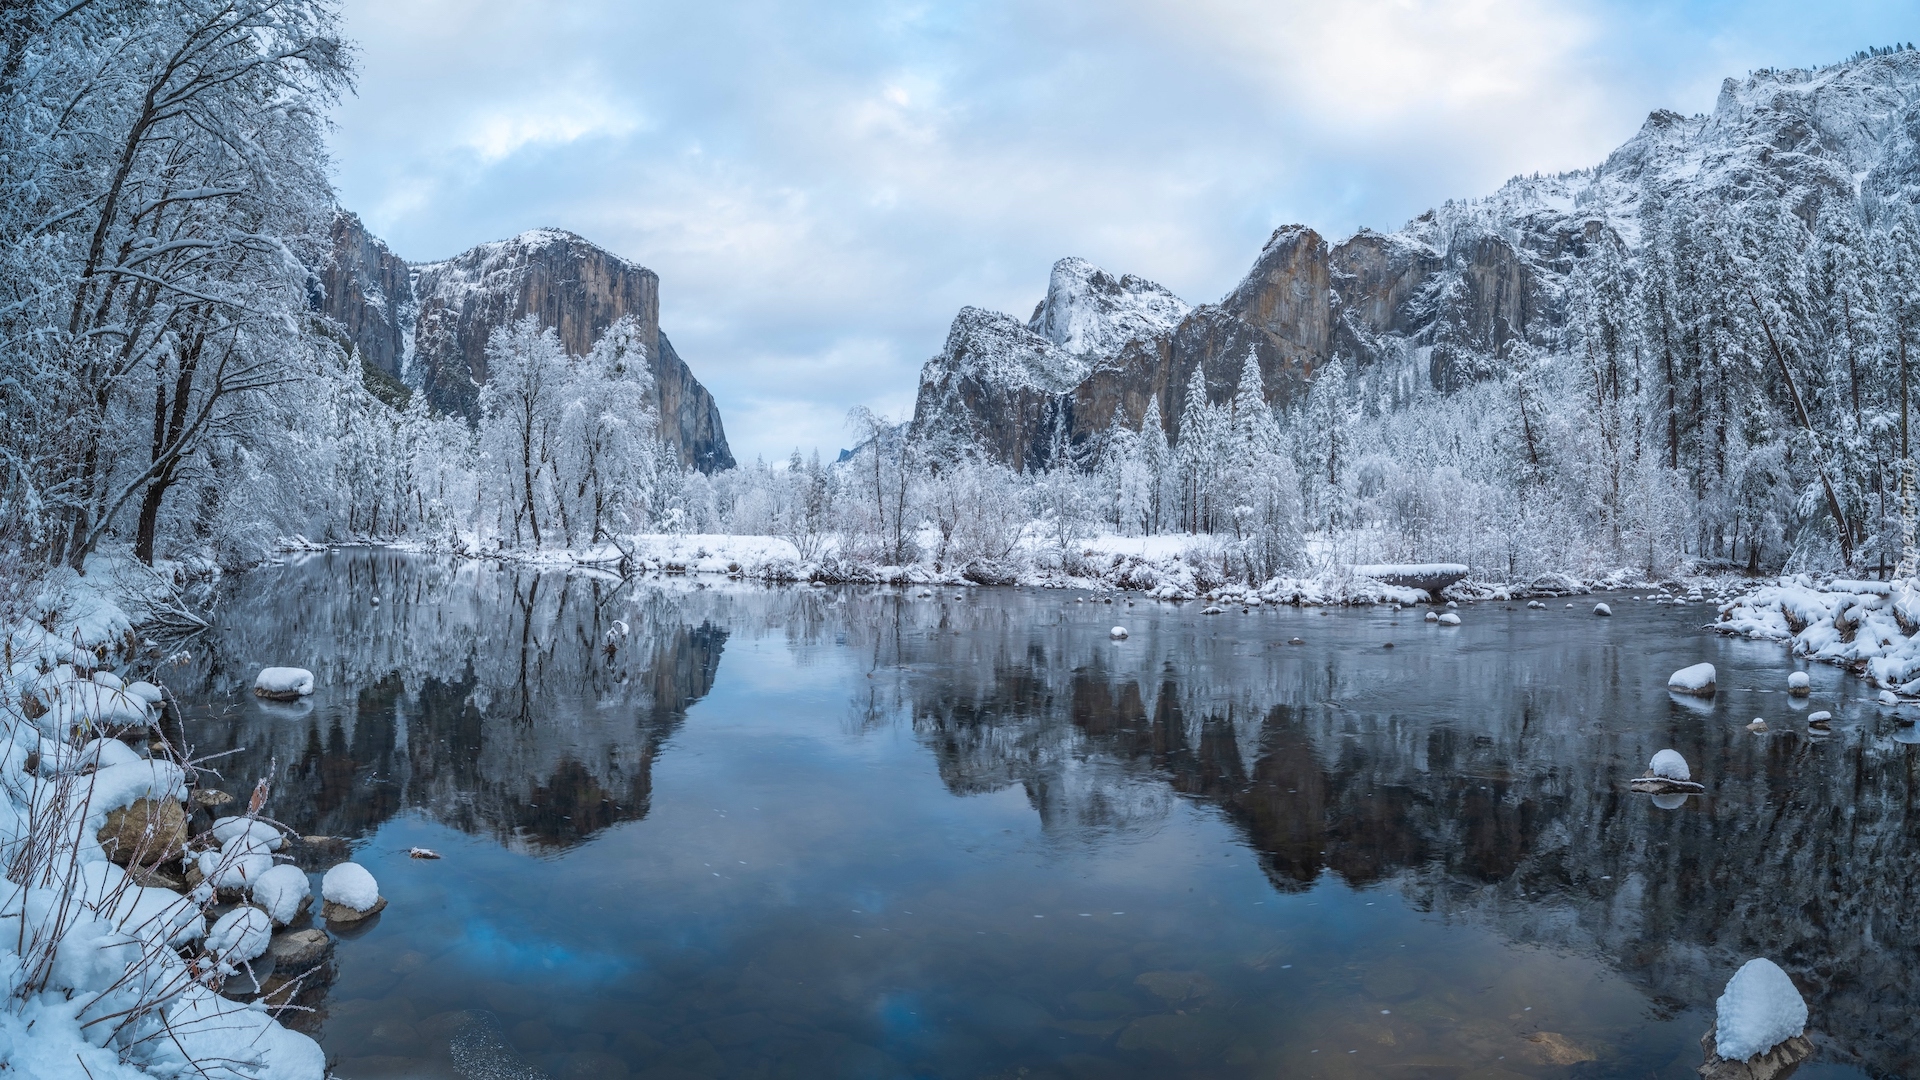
column 1478, row 772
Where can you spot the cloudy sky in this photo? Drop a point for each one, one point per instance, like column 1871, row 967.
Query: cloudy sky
column 820, row 186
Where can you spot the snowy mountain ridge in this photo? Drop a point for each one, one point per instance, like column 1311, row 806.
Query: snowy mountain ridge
column 1434, row 305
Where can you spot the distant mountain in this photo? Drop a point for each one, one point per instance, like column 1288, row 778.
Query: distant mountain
column 426, row 324
column 1431, row 306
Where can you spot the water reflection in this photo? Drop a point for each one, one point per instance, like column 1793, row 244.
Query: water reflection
column 493, row 702
column 936, row 836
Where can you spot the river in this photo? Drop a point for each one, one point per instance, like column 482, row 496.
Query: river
column 860, row 832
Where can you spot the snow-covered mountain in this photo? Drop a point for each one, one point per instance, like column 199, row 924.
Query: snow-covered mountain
column 1437, row 303
column 426, row 324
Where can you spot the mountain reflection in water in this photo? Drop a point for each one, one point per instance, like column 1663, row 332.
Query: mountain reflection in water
column 1534, row 917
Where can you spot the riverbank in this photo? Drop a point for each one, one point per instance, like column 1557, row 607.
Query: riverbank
column 1872, row 628
column 1177, row 567
column 108, row 970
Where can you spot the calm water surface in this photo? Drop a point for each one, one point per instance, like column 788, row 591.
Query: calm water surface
column 857, row 832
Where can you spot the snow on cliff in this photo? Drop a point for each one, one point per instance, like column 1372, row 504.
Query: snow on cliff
column 1089, row 312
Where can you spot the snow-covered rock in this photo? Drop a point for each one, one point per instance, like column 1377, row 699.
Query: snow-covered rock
column 350, row 886
column 1602, row 609
column 241, row 861
column 1118, row 633
column 1760, row 1009
column 1820, row 717
column 1799, row 684
column 1698, row 680
column 282, row 892
column 283, row 683
column 240, row 935
column 1449, row 619
column 266, row 835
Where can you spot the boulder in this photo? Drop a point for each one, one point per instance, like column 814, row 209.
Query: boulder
column 283, row 683
column 1698, row 680
column 298, row 951
column 341, row 913
column 148, row 831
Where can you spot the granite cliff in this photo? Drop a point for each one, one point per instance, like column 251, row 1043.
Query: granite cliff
column 426, row 324
column 1432, row 306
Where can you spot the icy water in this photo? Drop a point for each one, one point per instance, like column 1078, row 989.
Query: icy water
column 860, row 833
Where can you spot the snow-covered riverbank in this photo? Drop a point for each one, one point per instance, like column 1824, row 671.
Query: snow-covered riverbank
column 1871, row 627
column 1168, row 567
column 108, row 973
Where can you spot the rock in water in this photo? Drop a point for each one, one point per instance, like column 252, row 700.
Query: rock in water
column 299, row 951
column 240, row 934
column 1449, row 619
column 1697, row 680
column 148, row 832
column 283, row 893
column 1776, row 1064
column 1667, row 775
column 350, row 893
column 1669, row 764
column 283, row 683
column 1757, row 1022
column 1757, row 726
column 480, row 1052
column 1118, row 633
column 1799, row 684
column 1602, row 609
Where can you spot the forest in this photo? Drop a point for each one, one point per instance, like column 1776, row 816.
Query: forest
column 1724, row 385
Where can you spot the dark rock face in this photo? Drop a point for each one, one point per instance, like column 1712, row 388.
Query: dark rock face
column 428, row 324
column 688, row 416
column 368, row 291
column 998, row 384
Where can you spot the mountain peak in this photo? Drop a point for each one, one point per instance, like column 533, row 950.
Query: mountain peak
column 1088, row 311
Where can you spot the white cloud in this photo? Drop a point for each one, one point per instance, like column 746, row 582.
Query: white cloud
column 495, row 132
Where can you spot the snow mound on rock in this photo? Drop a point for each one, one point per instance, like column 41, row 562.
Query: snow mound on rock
column 280, row 890
column 349, row 885
column 241, row 934
column 284, row 681
column 1760, row 1009
column 1698, row 679
column 229, row 827
column 1670, row 764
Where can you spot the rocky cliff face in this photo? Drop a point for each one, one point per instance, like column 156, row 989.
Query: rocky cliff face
column 428, row 323
column 368, row 291
column 1438, row 303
